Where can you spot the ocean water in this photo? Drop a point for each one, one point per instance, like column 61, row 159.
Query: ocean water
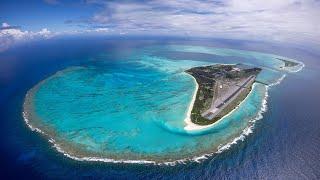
column 124, row 124
column 133, row 110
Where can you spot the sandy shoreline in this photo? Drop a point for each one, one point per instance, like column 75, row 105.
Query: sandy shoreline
column 190, row 126
column 198, row 158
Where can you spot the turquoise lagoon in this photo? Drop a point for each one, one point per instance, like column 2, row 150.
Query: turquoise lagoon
column 133, row 109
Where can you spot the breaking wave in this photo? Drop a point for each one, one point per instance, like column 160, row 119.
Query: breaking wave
column 221, row 148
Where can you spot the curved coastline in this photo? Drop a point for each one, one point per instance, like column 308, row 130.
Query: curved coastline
column 191, row 127
column 189, row 124
column 197, row 159
column 248, row 130
column 302, row 65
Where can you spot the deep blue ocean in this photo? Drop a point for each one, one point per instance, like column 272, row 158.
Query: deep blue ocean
column 285, row 144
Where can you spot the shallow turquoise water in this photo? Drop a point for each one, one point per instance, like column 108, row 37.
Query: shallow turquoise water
column 134, row 108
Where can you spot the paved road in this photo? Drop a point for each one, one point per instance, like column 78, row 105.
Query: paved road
column 220, row 103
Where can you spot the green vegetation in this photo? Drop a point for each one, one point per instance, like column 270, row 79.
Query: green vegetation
column 288, row 63
column 209, row 79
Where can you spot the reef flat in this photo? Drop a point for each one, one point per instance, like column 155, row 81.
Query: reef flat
column 221, row 89
column 138, row 109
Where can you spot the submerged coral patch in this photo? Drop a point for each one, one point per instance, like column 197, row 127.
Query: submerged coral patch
column 135, row 110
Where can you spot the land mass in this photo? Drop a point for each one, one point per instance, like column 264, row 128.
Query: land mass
column 288, row 63
column 221, row 89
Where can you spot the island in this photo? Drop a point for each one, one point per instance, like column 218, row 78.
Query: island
column 288, row 63
column 221, row 88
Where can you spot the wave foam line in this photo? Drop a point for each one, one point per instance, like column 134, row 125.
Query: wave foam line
column 107, row 160
column 223, row 147
column 301, row 66
column 248, row 130
column 26, row 120
column 278, row 81
column 197, row 159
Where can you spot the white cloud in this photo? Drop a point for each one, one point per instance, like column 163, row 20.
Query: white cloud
column 102, row 29
column 294, row 20
column 10, row 35
column 44, row 33
column 5, row 25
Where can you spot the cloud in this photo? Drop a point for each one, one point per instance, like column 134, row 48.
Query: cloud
column 101, row 30
column 7, row 26
column 44, row 33
column 293, row 20
column 273, row 20
column 9, row 35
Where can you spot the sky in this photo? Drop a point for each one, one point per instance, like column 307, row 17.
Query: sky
column 295, row 21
